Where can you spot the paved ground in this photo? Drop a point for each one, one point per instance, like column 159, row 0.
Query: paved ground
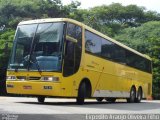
column 52, row 107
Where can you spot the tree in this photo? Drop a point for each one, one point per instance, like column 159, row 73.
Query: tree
column 113, row 18
column 154, row 52
column 14, row 11
column 6, row 39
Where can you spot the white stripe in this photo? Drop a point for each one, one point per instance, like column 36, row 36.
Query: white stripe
column 109, row 93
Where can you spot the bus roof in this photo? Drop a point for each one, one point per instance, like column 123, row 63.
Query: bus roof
column 86, row 27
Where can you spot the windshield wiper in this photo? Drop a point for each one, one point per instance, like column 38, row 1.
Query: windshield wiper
column 31, row 56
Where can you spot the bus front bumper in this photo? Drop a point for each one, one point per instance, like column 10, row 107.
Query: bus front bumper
column 33, row 88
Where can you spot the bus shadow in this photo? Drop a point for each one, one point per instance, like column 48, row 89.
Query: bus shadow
column 104, row 105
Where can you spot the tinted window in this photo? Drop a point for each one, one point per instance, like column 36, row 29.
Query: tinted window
column 107, row 49
column 148, row 66
column 74, row 31
column 69, row 59
column 137, row 61
column 119, row 54
column 112, row 51
column 100, row 46
column 92, row 43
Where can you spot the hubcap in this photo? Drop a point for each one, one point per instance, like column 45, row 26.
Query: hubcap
column 132, row 95
column 139, row 96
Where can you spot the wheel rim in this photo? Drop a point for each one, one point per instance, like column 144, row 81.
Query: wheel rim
column 139, row 96
column 132, row 95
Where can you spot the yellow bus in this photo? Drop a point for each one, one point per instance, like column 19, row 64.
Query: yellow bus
column 61, row 57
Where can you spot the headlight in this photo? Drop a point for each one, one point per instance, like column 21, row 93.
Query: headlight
column 11, row 77
column 50, row 79
column 21, row 78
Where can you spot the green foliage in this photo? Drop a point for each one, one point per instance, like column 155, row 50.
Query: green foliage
column 6, row 39
column 154, row 51
column 113, row 18
column 14, row 11
column 138, row 37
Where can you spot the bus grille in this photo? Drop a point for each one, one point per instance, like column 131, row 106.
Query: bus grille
column 34, row 78
column 28, row 78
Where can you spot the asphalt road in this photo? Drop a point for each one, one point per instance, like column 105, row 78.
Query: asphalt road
column 66, row 109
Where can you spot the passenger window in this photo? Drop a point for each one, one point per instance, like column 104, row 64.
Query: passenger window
column 92, row 43
column 119, row 54
column 107, row 49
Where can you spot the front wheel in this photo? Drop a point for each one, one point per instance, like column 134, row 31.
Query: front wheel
column 41, row 99
column 81, row 93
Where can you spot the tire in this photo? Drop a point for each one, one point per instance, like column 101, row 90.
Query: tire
column 41, row 99
column 81, row 93
column 132, row 97
column 112, row 100
column 139, row 95
column 99, row 99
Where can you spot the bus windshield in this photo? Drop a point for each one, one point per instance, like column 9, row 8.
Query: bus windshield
column 38, row 47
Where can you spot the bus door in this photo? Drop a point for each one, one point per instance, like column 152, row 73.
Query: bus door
column 72, row 56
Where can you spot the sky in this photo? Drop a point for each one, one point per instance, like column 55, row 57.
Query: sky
column 153, row 5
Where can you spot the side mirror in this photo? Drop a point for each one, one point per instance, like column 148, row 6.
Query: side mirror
column 69, row 38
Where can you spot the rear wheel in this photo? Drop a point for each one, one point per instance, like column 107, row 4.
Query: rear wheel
column 132, row 97
column 112, row 100
column 139, row 95
column 99, row 99
column 81, row 93
column 41, row 99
